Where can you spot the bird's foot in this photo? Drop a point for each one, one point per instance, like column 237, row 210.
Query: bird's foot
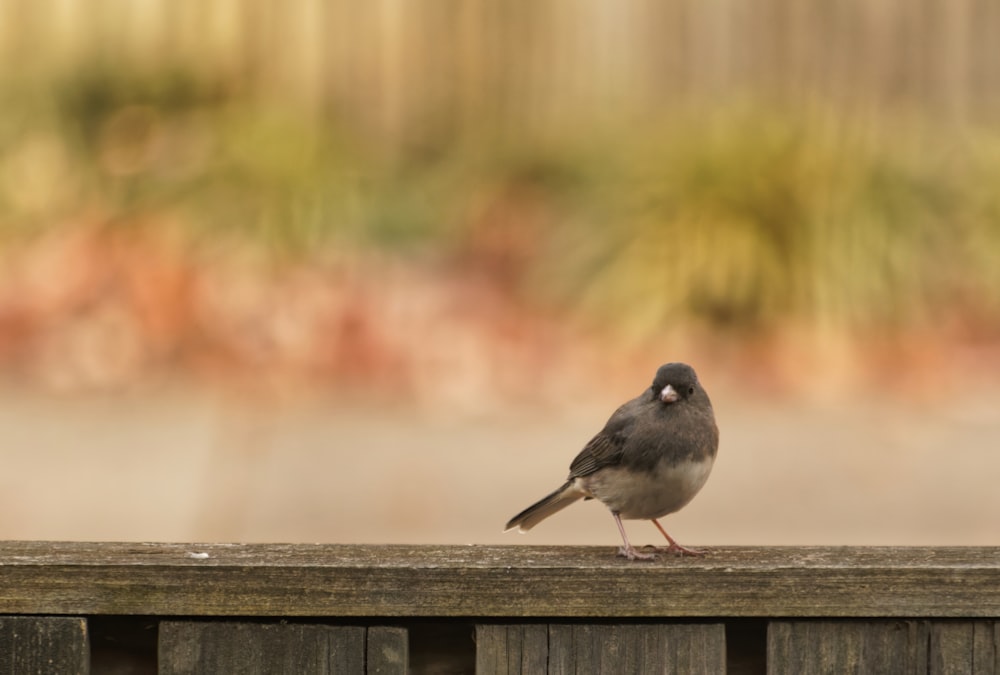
column 632, row 554
column 677, row 549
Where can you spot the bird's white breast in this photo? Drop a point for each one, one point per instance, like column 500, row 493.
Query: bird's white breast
column 647, row 494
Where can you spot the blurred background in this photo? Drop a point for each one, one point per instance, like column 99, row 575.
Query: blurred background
column 344, row 271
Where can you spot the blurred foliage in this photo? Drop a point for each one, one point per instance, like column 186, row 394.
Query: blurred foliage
column 749, row 218
column 740, row 220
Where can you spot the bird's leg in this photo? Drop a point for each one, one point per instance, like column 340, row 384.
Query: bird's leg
column 674, row 546
column 628, row 550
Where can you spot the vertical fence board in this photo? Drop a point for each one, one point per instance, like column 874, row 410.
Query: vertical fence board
column 806, row 647
column 512, row 650
column 963, row 647
column 43, row 645
column 920, row 647
column 987, row 646
column 637, row 648
column 520, row 649
column 388, row 651
column 195, row 648
column 951, row 648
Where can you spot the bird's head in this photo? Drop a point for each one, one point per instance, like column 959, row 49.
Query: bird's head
column 674, row 382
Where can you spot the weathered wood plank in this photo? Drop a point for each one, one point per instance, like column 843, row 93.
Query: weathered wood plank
column 821, row 647
column 519, row 649
column 388, row 651
column 44, row 645
column 911, row 647
column 526, row 649
column 494, row 581
column 963, row 647
column 986, row 643
column 637, row 648
column 208, row 648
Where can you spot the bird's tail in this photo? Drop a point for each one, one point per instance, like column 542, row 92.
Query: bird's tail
column 545, row 507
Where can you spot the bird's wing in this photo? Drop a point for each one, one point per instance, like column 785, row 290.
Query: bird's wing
column 604, row 449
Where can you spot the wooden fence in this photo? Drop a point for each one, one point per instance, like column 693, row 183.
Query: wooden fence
column 234, row 608
column 394, row 67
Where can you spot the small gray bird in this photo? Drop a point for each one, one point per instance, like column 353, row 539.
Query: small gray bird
column 650, row 459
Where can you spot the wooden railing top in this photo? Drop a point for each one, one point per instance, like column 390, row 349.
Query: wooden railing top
column 493, row 581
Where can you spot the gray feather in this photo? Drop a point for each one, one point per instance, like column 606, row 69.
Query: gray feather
column 544, row 508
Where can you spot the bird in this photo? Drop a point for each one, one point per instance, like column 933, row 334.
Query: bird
column 651, row 458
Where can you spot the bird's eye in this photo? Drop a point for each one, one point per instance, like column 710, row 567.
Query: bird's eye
column 690, row 391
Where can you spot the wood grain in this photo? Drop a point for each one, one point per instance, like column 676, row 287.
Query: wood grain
column 493, row 581
column 904, row 647
column 698, row 649
column 518, row 649
column 564, row 648
column 388, row 651
column 209, row 648
column 44, row 645
column 821, row 647
column 964, row 647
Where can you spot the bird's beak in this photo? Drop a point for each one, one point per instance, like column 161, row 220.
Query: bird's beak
column 668, row 395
